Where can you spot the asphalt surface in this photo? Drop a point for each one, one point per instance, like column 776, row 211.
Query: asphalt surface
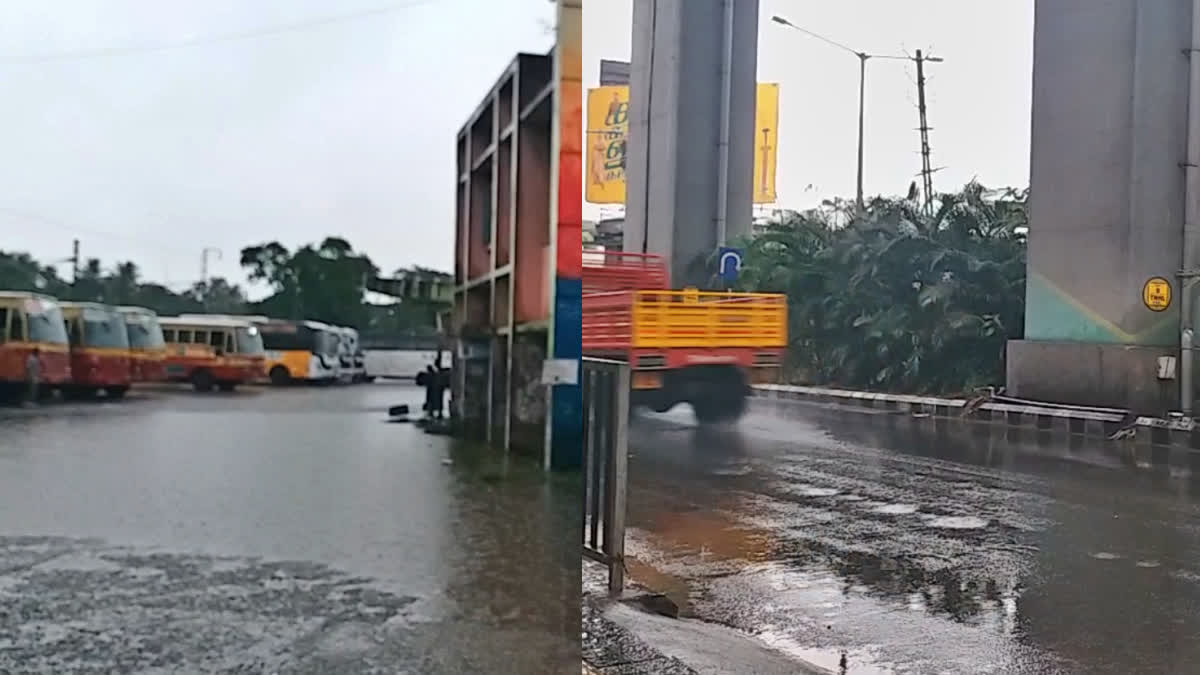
column 278, row 531
column 834, row 535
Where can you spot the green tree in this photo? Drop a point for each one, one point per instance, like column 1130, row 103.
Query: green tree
column 325, row 282
column 899, row 299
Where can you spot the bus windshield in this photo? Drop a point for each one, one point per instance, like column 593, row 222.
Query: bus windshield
column 46, row 323
column 249, row 341
column 104, row 329
column 328, row 342
column 144, row 332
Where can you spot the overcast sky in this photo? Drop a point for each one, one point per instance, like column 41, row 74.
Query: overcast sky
column 978, row 100
column 344, row 128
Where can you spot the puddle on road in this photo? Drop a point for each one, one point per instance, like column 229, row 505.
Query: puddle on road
column 814, row 491
column 1105, row 555
column 956, row 522
column 732, row 471
column 830, row 659
column 1148, row 563
column 895, row 509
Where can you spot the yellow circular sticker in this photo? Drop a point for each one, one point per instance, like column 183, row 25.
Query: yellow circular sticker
column 1156, row 294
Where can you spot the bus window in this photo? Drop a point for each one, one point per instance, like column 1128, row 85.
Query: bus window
column 168, row 335
column 4, row 325
column 229, row 343
column 46, row 324
column 200, row 337
column 103, row 328
column 216, row 340
column 16, row 329
column 185, row 337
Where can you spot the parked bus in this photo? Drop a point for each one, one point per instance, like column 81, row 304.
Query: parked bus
column 147, row 349
column 212, row 351
column 29, row 322
column 351, row 356
column 300, row 351
column 99, row 350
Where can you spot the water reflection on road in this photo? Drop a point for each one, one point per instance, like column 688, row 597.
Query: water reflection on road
column 279, row 531
column 827, row 532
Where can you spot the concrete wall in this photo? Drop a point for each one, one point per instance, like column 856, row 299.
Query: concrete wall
column 1109, row 133
column 674, row 124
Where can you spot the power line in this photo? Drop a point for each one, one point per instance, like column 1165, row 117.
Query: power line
column 264, row 31
column 75, row 229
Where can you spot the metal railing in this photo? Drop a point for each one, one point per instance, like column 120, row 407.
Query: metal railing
column 605, row 465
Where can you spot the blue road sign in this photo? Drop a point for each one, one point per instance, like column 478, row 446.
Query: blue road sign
column 729, row 263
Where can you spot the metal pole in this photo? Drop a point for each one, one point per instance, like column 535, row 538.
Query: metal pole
column 618, row 480
column 75, row 262
column 926, row 166
column 723, row 142
column 862, row 97
column 1191, row 219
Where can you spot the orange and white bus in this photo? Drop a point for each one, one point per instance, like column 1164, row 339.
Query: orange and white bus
column 212, row 351
column 147, row 350
column 99, row 350
column 32, row 322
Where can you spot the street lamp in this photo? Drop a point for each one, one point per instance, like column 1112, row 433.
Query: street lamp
column 862, row 85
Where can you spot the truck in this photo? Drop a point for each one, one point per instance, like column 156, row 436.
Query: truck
column 703, row 348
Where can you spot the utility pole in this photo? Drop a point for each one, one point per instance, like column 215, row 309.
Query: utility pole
column 204, row 270
column 204, row 263
column 863, row 57
column 926, row 166
column 74, row 262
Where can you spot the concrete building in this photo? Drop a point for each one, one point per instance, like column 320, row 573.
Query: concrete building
column 1107, row 206
column 693, row 74
column 518, row 251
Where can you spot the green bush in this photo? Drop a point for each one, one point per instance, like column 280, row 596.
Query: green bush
column 902, row 298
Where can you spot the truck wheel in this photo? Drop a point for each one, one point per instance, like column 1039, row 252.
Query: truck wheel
column 116, row 393
column 227, row 386
column 720, row 407
column 202, row 380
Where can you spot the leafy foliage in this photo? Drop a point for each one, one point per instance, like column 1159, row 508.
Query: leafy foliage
column 121, row 285
column 324, row 282
column 899, row 299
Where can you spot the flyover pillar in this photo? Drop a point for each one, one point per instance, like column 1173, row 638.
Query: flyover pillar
column 683, row 51
column 1109, row 148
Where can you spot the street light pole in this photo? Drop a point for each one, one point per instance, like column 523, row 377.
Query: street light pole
column 862, row 92
column 862, row 99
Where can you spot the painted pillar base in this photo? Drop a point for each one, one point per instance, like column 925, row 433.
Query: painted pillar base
column 1084, row 373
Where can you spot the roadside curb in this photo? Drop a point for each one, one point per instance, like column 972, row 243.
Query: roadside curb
column 1180, row 437
column 609, row 648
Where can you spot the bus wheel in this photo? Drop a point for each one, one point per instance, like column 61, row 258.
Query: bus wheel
column 227, row 386
column 117, row 393
column 202, row 380
column 280, row 376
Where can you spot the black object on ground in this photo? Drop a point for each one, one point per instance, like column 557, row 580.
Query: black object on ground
column 398, row 411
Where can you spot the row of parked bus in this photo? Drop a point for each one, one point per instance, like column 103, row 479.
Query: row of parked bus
column 82, row 349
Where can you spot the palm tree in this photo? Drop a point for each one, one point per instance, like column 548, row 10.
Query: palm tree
column 897, row 299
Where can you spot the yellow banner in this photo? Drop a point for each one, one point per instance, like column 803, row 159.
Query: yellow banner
column 766, row 142
column 608, row 125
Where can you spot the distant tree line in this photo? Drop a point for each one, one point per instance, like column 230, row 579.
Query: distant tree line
column 899, row 298
column 322, row 282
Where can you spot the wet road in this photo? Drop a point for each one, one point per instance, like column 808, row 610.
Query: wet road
column 826, row 532
column 287, row 531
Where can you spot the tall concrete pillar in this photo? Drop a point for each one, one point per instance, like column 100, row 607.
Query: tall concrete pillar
column 1110, row 117
column 674, row 144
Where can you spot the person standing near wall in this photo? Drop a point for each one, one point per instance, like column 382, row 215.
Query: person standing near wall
column 33, row 374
